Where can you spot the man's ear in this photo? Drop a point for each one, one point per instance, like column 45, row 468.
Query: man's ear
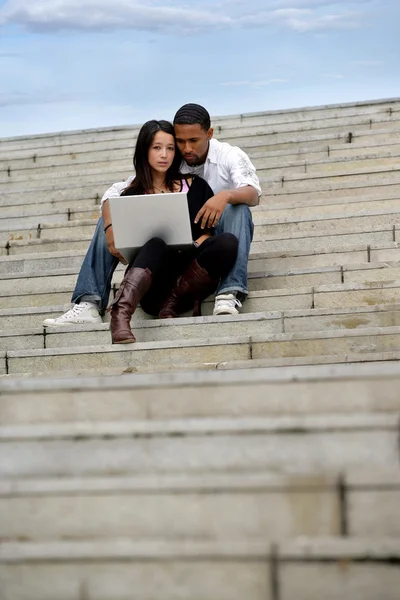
column 210, row 133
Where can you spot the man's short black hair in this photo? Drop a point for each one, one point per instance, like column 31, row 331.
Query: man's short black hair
column 193, row 114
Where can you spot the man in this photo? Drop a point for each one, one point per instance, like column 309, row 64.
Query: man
column 231, row 176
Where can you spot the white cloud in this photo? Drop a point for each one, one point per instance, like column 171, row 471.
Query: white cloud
column 304, row 20
column 172, row 16
column 51, row 15
column 307, row 4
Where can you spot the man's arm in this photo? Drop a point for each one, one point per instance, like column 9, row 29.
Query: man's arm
column 241, row 173
column 211, row 212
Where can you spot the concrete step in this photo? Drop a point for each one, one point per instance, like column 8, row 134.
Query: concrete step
column 98, row 175
column 350, row 358
column 272, row 507
column 40, row 260
column 93, row 191
column 290, row 132
column 15, row 336
column 325, row 224
column 47, row 212
column 61, row 281
column 75, row 211
column 103, row 163
column 296, row 121
column 291, row 390
column 374, row 289
column 318, row 240
column 353, row 184
column 362, row 147
column 250, row 505
column 370, row 142
column 339, row 223
column 271, row 207
column 198, row 350
column 280, row 444
column 313, row 207
column 330, row 111
column 31, row 202
column 358, row 252
column 315, row 141
column 50, row 255
column 24, row 318
column 335, row 194
column 108, row 569
column 319, row 148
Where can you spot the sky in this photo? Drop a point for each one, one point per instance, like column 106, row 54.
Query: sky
column 79, row 64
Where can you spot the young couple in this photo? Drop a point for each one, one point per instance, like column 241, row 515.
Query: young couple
column 221, row 183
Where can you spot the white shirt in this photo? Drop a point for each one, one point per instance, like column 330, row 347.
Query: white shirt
column 226, row 168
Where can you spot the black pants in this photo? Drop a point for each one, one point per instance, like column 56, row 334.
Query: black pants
column 216, row 255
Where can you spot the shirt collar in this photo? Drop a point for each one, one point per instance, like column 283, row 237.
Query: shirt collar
column 212, row 151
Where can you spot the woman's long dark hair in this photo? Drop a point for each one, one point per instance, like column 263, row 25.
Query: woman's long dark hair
column 143, row 182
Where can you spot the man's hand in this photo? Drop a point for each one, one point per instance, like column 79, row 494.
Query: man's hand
column 111, row 247
column 210, row 213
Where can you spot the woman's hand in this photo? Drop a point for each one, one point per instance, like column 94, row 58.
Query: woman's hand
column 111, row 247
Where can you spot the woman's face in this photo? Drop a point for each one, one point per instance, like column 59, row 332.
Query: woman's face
column 161, row 152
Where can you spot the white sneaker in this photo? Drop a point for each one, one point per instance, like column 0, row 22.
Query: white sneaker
column 225, row 304
column 85, row 312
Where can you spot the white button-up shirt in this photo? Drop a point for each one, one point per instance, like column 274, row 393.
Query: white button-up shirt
column 226, row 168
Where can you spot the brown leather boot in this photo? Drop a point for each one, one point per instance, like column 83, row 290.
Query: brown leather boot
column 191, row 288
column 133, row 287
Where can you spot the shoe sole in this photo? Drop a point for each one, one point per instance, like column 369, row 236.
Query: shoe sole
column 225, row 312
column 53, row 324
column 72, row 323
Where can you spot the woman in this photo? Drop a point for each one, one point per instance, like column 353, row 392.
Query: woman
column 167, row 281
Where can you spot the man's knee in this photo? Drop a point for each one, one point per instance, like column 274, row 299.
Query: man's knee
column 235, row 219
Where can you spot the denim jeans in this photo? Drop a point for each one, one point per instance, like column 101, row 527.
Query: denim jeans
column 237, row 219
column 94, row 279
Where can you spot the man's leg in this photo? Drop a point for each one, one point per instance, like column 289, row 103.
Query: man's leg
column 235, row 219
column 93, row 286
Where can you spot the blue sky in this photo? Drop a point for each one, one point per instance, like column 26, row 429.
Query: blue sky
column 72, row 64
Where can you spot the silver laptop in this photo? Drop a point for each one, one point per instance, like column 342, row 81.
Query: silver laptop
column 136, row 219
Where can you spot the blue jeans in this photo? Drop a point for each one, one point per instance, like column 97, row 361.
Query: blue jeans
column 237, row 219
column 94, row 279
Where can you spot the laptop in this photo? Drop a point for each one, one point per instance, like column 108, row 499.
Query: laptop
column 137, row 219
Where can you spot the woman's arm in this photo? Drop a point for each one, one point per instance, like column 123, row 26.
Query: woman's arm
column 108, row 230
column 116, row 189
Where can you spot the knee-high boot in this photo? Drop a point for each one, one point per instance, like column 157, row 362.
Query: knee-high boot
column 191, row 288
column 134, row 285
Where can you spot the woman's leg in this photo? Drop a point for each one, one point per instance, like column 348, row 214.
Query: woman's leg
column 135, row 284
column 214, row 258
column 217, row 254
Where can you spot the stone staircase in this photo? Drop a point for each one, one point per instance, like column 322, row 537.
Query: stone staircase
column 219, row 457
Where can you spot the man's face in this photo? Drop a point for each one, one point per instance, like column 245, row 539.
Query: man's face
column 192, row 141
